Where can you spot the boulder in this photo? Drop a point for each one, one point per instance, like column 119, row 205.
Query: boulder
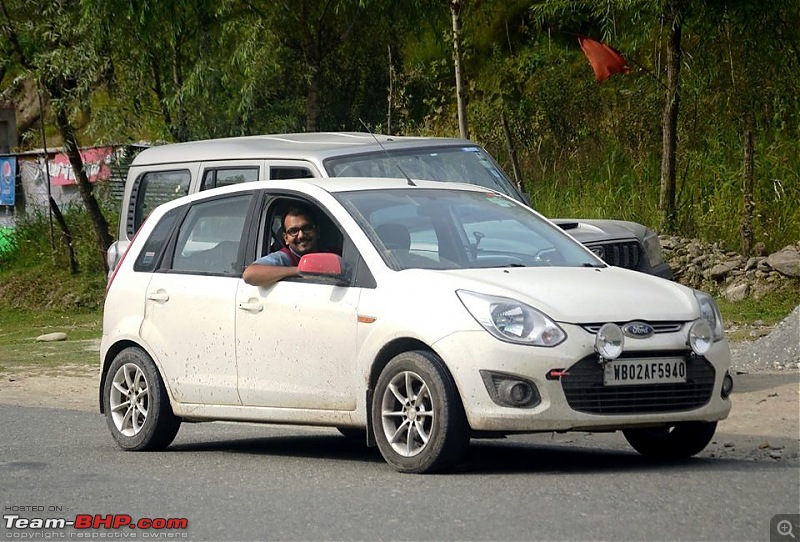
column 786, row 261
column 51, row 337
column 737, row 292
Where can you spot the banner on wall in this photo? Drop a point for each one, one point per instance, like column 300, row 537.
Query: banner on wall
column 95, row 161
column 8, row 173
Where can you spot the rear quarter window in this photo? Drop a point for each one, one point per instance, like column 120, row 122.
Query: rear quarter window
column 148, row 258
column 151, row 190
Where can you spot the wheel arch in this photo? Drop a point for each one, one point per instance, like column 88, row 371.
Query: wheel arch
column 382, row 359
column 108, row 359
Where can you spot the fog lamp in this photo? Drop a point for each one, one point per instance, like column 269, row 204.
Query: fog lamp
column 727, row 385
column 511, row 390
column 701, row 337
column 517, row 393
column 609, row 342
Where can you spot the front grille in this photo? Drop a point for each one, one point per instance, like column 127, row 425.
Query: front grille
column 585, row 392
column 658, row 327
column 627, row 254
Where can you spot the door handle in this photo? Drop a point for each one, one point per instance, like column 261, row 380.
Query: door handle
column 251, row 307
column 158, row 296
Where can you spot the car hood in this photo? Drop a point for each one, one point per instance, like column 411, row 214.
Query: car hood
column 589, row 231
column 582, row 295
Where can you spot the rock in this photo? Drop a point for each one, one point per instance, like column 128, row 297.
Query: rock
column 752, row 263
column 721, row 273
column 737, row 292
column 51, row 337
column 720, row 270
column 786, row 261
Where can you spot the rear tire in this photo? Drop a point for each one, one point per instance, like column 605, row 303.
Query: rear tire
column 418, row 418
column 136, row 404
column 672, row 442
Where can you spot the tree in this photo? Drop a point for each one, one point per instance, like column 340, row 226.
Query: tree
column 461, row 96
column 49, row 48
column 673, row 17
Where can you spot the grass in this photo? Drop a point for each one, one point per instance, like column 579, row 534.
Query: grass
column 769, row 311
column 19, row 329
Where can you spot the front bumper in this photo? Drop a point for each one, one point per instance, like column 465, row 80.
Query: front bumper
column 563, row 404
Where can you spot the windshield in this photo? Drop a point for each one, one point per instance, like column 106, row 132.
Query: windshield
column 459, row 164
column 456, row 229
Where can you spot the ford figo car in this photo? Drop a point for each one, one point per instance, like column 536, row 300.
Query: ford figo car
column 430, row 314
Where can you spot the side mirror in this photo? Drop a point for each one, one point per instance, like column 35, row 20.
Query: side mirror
column 321, row 264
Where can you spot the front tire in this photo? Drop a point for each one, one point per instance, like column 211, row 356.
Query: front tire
column 419, row 421
column 136, row 404
column 671, row 442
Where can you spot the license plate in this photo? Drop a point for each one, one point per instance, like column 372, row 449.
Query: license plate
column 644, row 371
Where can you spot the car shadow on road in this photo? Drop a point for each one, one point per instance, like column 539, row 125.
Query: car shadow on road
column 483, row 457
column 332, row 447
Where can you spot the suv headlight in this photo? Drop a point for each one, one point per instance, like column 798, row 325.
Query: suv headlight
column 653, row 248
column 512, row 321
column 710, row 313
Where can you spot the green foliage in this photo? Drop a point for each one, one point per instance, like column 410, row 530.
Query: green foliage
column 187, row 70
column 771, row 309
column 34, row 271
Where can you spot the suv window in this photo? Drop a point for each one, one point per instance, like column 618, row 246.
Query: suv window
column 153, row 189
column 215, row 178
column 209, row 237
column 458, row 164
column 289, row 172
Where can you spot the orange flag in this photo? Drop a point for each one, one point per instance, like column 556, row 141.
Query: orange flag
column 604, row 60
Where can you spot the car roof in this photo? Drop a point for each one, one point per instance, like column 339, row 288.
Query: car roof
column 315, row 186
column 318, row 145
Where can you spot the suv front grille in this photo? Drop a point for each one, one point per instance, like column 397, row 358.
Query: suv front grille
column 585, row 391
column 627, row 254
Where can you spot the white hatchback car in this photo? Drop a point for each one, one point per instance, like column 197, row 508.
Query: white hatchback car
column 431, row 314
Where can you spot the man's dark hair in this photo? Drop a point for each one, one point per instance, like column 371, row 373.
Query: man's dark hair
column 299, row 209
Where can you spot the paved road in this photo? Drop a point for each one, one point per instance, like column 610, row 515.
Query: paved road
column 248, row 482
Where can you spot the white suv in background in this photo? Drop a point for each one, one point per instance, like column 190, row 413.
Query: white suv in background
column 162, row 173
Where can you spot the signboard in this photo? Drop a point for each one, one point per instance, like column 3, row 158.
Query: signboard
column 8, row 172
column 95, row 161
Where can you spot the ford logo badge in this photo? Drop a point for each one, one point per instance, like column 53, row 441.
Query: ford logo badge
column 638, row 330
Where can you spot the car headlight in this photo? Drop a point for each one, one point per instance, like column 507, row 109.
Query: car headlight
column 653, row 248
column 710, row 313
column 512, row 321
column 700, row 337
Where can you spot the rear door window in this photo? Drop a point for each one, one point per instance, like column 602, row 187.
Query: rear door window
column 210, row 236
column 217, row 177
